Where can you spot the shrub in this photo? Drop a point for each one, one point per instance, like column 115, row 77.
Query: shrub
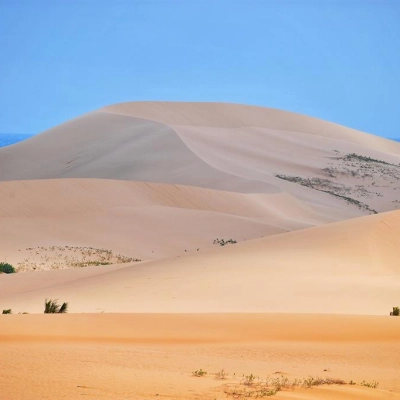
column 373, row 384
column 223, row 242
column 396, row 311
column 7, row 311
column 199, row 373
column 6, row 268
column 249, row 380
column 221, row 374
column 52, row 307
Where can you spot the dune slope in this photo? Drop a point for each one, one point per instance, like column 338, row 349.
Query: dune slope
column 137, row 219
column 220, row 146
column 348, row 267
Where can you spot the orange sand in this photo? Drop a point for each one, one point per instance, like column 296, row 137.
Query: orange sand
column 130, row 356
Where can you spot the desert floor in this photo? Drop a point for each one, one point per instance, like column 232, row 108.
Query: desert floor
column 149, row 356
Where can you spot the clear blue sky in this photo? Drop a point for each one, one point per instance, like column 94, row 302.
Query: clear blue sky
column 336, row 60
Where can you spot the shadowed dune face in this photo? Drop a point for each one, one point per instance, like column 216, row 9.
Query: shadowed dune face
column 108, row 146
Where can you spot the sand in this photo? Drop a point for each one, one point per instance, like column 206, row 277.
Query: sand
column 127, row 356
column 348, row 267
column 147, row 220
column 121, row 213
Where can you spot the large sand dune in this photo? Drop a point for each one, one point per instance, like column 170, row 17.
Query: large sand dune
column 139, row 219
column 347, row 267
column 211, row 145
column 242, row 172
column 139, row 192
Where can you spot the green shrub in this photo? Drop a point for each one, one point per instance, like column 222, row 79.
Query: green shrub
column 396, row 311
column 199, row 373
column 7, row 311
column 52, row 307
column 6, row 268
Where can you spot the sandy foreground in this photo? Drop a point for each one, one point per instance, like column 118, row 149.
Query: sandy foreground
column 149, row 356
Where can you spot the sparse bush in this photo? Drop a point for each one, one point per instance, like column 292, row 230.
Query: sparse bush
column 396, row 311
column 7, row 268
column 249, row 380
column 256, row 387
column 7, row 311
column 199, row 373
column 327, row 186
column 357, row 157
column 58, row 257
column 221, row 374
column 373, row 384
column 309, row 382
column 223, row 242
column 52, row 307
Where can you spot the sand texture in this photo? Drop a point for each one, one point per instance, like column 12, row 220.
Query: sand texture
column 188, row 236
column 146, row 356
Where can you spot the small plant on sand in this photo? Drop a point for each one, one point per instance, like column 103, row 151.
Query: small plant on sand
column 249, row 380
column 357, row 157
column 310, row 382
column 7, row 311
column 373, row 384
column 223, row 242
column 6, row 268
column 221, row 374
column 395, row 312
column 199, row 373
column 52, row 307
column 256, row 387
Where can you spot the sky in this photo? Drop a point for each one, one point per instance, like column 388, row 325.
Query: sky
column 335, row 60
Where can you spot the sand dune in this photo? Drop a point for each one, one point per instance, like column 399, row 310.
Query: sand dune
column 133, row 196
column 64, row 197
column 108, row 146
column 218, row 146
column 136, row 219
column 225, row 115
column 348, row 267
column 292, row 168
